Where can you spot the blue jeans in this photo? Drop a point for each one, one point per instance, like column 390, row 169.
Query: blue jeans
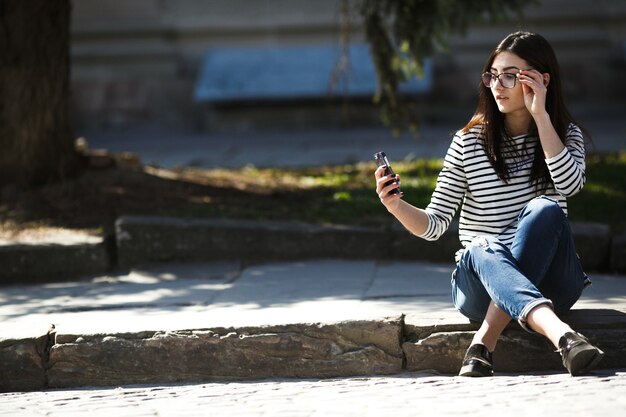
column 541, row 267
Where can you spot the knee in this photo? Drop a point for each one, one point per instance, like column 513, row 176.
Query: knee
column 484, row 242
column 481, row 245
column 544, row 208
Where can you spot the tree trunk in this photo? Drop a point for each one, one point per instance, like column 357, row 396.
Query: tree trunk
column 36, row 142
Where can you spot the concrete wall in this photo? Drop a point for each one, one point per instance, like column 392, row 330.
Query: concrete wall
column 136, row 62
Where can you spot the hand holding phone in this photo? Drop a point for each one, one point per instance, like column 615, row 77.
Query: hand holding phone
column 381, row 161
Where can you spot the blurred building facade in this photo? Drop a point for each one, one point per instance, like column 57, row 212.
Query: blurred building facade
column 138, row 61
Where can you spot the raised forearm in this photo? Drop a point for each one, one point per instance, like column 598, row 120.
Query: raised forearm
column 412, row 218
column 550, row 141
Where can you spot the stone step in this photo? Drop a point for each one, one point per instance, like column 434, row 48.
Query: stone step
column 441, row 348
column 53, row 260
column 145, row 240
column 296, row 351
column 141, row 241
column 352, row 348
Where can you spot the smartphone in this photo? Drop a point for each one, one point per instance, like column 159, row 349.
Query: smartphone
column 381, row 161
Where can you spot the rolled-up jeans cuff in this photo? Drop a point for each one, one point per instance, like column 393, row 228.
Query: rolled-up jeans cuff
column 522, row 320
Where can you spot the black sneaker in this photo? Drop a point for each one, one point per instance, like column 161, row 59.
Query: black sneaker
column 477, row 362
column 579, row 356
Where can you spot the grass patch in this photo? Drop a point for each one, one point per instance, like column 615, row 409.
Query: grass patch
column 337, row 194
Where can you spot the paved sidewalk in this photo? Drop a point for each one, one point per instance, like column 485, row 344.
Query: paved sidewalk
column 170, row 148
column 225, row 294
column 409, row 394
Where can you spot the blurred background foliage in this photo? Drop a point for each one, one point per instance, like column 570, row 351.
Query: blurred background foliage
column 402, row 33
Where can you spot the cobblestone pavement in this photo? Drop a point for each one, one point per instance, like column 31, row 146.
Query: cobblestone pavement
column 409, row 394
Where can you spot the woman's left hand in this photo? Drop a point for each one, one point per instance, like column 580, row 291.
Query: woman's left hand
column 534, row 87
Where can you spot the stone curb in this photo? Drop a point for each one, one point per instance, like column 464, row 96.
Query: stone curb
column 353, row 348
column 140, row 241
column 37, row 263
column 442, row 347
column 145, row 240
column 150, row 357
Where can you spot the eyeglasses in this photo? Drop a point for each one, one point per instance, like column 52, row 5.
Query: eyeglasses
column 507, row 79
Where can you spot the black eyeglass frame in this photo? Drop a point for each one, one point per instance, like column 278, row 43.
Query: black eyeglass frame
column 493, row 76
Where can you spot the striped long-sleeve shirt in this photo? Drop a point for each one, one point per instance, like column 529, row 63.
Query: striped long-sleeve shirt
column 490, row 205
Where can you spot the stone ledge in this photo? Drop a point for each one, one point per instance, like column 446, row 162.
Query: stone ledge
column 517, row 351
column 618, row 253
column 144, row 240
column 405, row 246
column 141, row 241
column 593, row 243
column 344, row 349
column 442, row 348
column 295, row 351
column 22, row 364
column 32, row 263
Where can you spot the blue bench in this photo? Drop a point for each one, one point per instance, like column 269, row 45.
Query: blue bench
column 290, row 72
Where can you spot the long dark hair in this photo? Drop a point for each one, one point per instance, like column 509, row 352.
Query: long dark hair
column 538, row 53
